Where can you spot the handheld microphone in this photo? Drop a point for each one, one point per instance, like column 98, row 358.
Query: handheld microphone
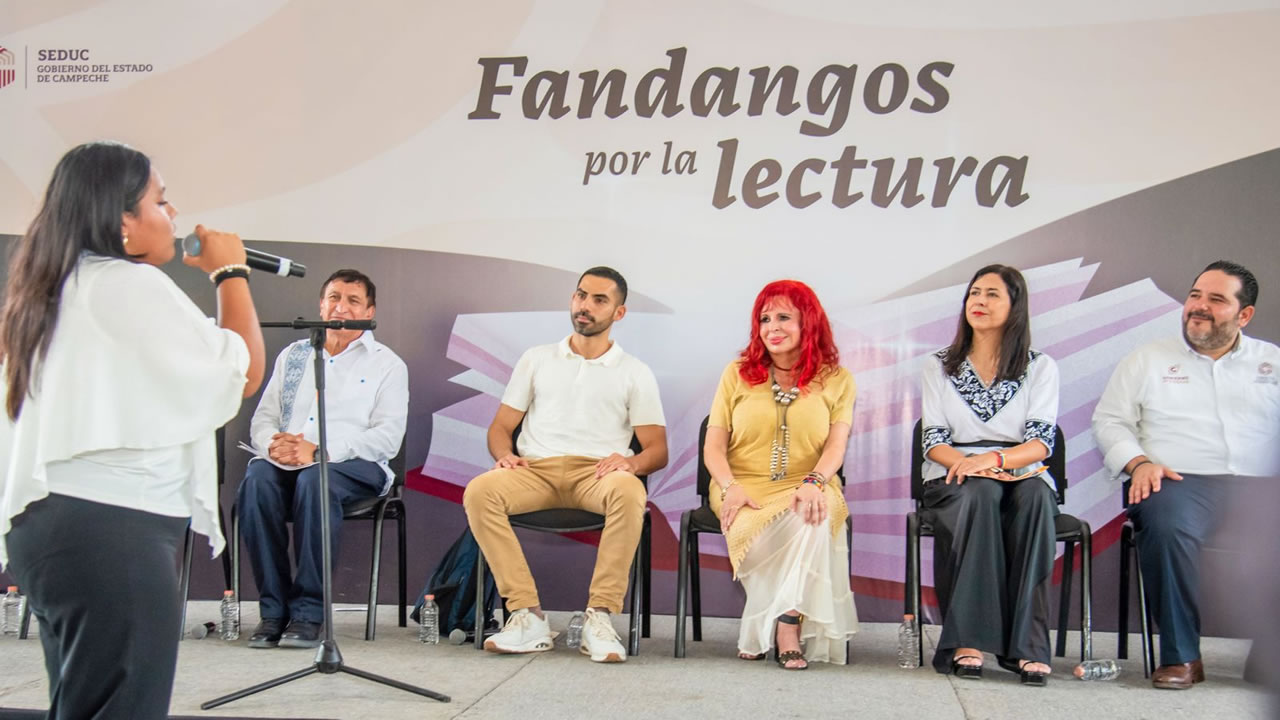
column 256, row 259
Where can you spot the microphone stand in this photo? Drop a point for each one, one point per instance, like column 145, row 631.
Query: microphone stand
column 328, row 658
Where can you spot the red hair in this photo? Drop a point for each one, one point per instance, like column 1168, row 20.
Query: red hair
column 818, row 353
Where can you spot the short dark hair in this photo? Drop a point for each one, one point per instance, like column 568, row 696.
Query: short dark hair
column 354, row 276
column 609, row 274
column 1248, row 293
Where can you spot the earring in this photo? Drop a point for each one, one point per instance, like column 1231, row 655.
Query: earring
column 126, row 239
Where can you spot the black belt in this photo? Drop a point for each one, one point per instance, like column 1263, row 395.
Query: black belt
column 985, row 443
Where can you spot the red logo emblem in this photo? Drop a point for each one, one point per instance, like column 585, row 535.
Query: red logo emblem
column 8, row 73
column 1265, row 368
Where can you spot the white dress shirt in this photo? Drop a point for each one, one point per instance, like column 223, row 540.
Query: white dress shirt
column 366, row 401
column 1192, row 413
column 963, row 411
column 134, row 385
column 581, row 407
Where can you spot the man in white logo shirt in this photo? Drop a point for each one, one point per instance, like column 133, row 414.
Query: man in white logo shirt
column 366, row 405
column 1191, row 421
column 580, row 401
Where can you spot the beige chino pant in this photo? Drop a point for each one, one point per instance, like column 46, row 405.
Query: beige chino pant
column 559, row 482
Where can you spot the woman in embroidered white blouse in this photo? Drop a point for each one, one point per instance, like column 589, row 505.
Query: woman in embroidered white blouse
column 989, row 408
column 115, row 383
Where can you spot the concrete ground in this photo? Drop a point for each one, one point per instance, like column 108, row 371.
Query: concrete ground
column 709, row 682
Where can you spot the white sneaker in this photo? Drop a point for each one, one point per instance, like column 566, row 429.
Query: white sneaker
column 523, row 633
column 600, row 640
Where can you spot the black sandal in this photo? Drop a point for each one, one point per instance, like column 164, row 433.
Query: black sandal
column 746, row 656
column 791, row 655
column 1034, row 678
column 967, row 672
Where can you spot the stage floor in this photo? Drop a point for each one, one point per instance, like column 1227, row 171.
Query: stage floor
column 709, row 683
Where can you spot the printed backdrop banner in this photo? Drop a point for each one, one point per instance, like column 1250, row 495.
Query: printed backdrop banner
column 474, row 158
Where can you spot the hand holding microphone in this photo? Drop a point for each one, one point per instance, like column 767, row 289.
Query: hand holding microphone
column 202, row 241
column 209, row 249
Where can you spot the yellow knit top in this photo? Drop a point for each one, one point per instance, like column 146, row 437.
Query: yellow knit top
column 751, row 416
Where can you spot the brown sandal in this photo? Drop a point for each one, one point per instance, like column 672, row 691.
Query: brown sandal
column 791, row 655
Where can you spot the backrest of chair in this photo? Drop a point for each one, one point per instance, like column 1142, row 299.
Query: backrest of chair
column 397, row 466
column 1057, row 462
column 917, row 461
column 704, row 475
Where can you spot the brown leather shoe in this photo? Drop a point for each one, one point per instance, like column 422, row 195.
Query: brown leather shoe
column 1178, row 677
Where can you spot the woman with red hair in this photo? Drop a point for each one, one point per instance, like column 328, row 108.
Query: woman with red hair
column 776, row 437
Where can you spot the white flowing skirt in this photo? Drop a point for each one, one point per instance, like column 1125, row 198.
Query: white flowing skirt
column 792, row 565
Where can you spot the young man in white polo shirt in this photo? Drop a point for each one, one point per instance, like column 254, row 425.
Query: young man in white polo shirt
column 1191, row 421
column 580, row 400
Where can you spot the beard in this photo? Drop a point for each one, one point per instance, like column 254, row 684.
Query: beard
column 592, row 328
column 1218, row 335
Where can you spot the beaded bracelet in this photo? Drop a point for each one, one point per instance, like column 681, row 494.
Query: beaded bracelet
column 226, row 271
column 815, row 478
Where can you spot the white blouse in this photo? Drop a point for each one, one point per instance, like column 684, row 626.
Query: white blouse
column 963, row 411
column 135, row 374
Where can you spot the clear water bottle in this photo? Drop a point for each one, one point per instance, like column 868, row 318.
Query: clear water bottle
column 14, row 604
column 908, row 643
column 230, row 616
column 573, row 635
column 1097, row 670
column 429, row 631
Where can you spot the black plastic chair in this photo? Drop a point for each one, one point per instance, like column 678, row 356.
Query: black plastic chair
column 188, row 548
column 1129, row 551
column 1067, row 528
column 567, row 520
column 386, row 507
column 693, row 523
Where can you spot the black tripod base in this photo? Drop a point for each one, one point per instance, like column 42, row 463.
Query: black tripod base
column 328, row 661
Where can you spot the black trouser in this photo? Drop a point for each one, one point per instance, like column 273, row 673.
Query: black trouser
column 102, row 582
column 268, row 499
column 992, row 561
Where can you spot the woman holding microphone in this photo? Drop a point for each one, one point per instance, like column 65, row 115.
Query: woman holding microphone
column 115, row 383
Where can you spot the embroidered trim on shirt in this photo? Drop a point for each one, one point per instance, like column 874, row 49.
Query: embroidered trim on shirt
column 934, row 436
column 1039, row 430
column 295, row 364
column 985, row 401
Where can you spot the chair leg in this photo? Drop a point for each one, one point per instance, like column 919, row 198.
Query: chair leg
column 637, row 603
column 646, row 574
column 1064, row 598
column 371, row 614
column 695, row 586
column 226, row 556
column 403, row 569
column 911, row 593
column 235, row 553
column 25, row 626
column 1144, row 613
column 682, row 583
column 480, row 619
column 1086, row 593
column 1122, row 629
column 184, row 586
